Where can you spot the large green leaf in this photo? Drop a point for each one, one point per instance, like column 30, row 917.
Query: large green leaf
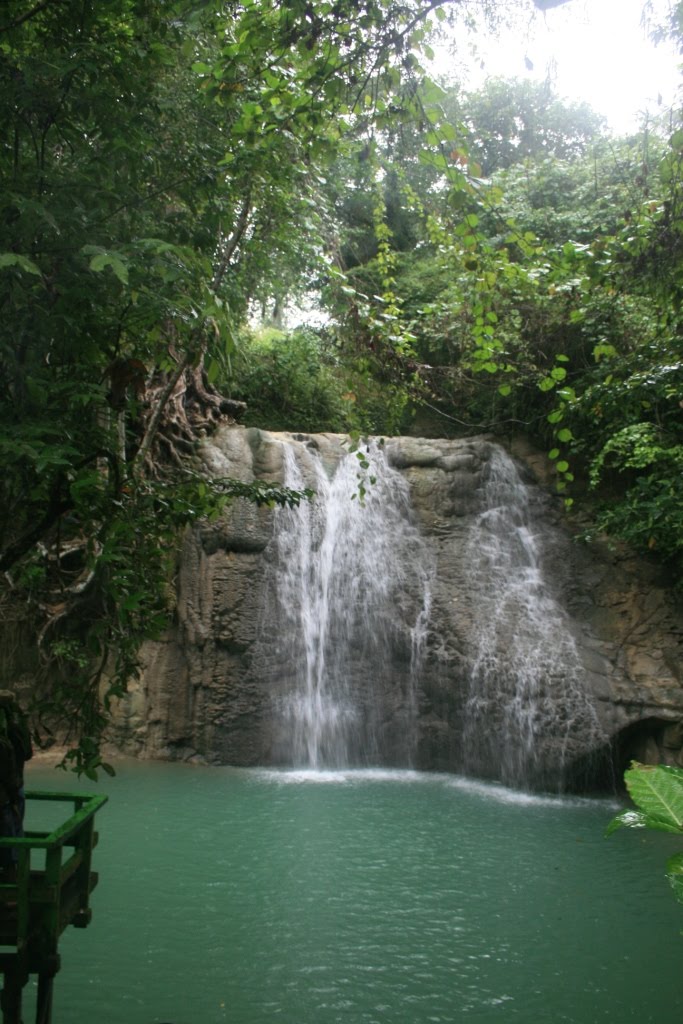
column 658, row 793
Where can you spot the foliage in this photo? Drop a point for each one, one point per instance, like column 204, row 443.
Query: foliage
column 161, row 171
column 546, row 298
column 298, row 381
column 289, row 381
column 511, row 122
column 625, row 413
column 657, row 793
column 453, row 295
column 584, row 197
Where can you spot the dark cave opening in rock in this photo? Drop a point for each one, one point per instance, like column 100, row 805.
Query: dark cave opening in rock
column 652, row 740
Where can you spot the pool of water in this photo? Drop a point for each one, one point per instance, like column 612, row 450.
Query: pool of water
column 373, row 897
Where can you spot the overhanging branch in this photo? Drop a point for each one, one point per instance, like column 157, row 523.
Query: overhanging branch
column 29, row 14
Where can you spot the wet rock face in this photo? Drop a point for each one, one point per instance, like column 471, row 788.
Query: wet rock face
column 500, row 565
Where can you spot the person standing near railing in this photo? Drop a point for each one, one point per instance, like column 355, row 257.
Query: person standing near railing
column 15, row 750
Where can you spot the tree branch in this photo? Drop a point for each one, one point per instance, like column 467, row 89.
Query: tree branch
column 59, row 503
column 29, row 14
column 23, row 544
column 233, row 241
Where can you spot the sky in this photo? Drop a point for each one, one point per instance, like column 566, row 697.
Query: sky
column 594, row 50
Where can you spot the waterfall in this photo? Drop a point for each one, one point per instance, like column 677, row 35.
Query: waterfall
column 411, row 615
column 446, row 621
column 351, row 592
column 527, row 713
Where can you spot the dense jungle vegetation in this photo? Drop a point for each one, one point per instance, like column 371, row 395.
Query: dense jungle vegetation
column 175, row 171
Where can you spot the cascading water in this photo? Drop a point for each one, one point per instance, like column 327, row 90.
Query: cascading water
column 449, row 623
column 527, row 715
column 352, row 594
column 428, row 638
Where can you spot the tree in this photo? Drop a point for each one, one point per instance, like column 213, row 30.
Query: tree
column 511, row 121
column 458, row 267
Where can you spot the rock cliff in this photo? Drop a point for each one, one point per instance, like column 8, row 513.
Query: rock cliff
column 542, row 659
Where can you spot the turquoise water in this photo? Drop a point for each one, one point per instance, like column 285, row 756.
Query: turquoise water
column 243, row 896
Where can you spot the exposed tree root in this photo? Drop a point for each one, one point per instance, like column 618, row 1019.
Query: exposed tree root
column 174, row 419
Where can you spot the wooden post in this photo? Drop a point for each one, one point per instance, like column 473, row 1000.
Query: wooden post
column 44, row 1001
column 10, row 998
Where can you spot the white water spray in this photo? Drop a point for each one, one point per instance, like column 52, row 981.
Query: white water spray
column 527, row 698
column 352, row 586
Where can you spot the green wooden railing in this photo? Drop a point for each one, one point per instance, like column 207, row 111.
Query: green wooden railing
column 49, row 890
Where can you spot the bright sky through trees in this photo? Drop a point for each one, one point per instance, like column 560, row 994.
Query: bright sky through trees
column 598, row 51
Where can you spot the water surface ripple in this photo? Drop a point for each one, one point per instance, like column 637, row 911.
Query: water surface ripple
column 370, row 897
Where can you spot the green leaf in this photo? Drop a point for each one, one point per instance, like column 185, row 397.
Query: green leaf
column 564, row 435
column 103, row 260
column 13, row 259
column 603, row 350
column 213, row 371
column 658, row 792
